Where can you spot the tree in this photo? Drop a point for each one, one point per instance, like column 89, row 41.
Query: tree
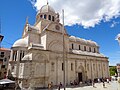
column 112, row 70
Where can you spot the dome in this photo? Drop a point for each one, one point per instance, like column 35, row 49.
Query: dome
column 72, row 38
column 92, row 43
column 21, row 43
column 46, row 8
column 83, row 41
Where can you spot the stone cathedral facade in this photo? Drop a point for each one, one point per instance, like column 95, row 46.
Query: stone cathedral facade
column 37, row 58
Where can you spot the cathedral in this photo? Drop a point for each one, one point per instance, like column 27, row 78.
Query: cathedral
column 37, row 58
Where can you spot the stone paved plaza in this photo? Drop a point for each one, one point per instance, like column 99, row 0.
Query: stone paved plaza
column 113, row 85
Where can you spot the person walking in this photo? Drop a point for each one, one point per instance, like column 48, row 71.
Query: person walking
column 59, row 86
column 49, row 86
column 107, row 80
column 93, row 83
column 103, row 84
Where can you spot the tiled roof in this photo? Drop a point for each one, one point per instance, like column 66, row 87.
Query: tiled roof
column 4, row 49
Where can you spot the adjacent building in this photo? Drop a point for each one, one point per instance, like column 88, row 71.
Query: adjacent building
column 37, row 58
column 118, row 69
column 4, row 59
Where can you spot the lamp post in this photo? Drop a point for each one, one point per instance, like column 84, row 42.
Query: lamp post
column 118, row 65
column 63, row 54
column 1, row 36
column 118, row 71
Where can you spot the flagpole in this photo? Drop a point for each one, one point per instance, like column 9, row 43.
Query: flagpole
column 64, row 84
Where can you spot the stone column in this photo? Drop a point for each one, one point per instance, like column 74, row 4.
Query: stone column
column 18, row 62
column 11, row 55
column 91, row 69
column 96, row 68
column 17, row 68
column 85, row 69
column 102, row 69
column 118, row 69
column 66, row 69
column 76, row 69
column 57, row 70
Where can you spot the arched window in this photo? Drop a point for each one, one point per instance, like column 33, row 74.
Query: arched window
column 62, row 67
column 72, row 46
column 41, row 16
column 71, row 66
column 53, row 18
column 89, row 49
column 94, row 50
column 84, row 48
column 45, row 16
column 79, row 47
column 5, row 59
column 49, row 17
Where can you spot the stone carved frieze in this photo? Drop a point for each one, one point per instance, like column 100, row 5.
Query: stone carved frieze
column 40, row 57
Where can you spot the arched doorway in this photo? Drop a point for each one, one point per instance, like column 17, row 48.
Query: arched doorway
column 80, row 78
column 80, row 73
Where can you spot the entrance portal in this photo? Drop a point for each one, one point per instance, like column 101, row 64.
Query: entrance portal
column 80, row 77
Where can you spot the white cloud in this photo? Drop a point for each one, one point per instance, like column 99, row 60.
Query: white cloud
column 114, row 24
column 87, row 13
column 118, row 38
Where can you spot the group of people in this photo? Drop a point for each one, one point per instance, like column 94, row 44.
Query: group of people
column 73, row 83
column 50, row 86
column 103, row 81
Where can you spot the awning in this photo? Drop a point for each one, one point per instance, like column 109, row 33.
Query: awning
column 6, row 81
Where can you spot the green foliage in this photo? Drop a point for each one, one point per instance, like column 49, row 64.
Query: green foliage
column 112, row 70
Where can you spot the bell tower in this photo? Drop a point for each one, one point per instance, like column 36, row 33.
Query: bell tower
column 45, row 16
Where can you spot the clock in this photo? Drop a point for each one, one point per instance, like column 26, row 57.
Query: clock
column 57, row 27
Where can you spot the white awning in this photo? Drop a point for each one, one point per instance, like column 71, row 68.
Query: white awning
column 6, row 81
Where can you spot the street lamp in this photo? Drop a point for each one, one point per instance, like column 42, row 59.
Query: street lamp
column 118, row 65
column 1, row 38
column 118, row 71
column 64, row 81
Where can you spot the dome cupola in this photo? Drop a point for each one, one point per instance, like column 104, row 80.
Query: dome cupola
column 21, row 42
column 47, row 13
column 46, row 9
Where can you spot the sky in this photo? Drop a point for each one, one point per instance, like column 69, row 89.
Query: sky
column 97, row 20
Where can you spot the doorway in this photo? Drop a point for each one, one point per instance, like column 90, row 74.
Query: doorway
column 80, row 77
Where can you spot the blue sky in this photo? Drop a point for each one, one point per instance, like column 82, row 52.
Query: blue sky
column 13, row 15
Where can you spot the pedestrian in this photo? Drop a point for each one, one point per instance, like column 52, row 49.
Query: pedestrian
column 58, row 87
column 49, row 86
column 98, row 80
column 60, row 84
column 103, row 84
column 107, row 80
column 93, row 83
column 71, row 83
